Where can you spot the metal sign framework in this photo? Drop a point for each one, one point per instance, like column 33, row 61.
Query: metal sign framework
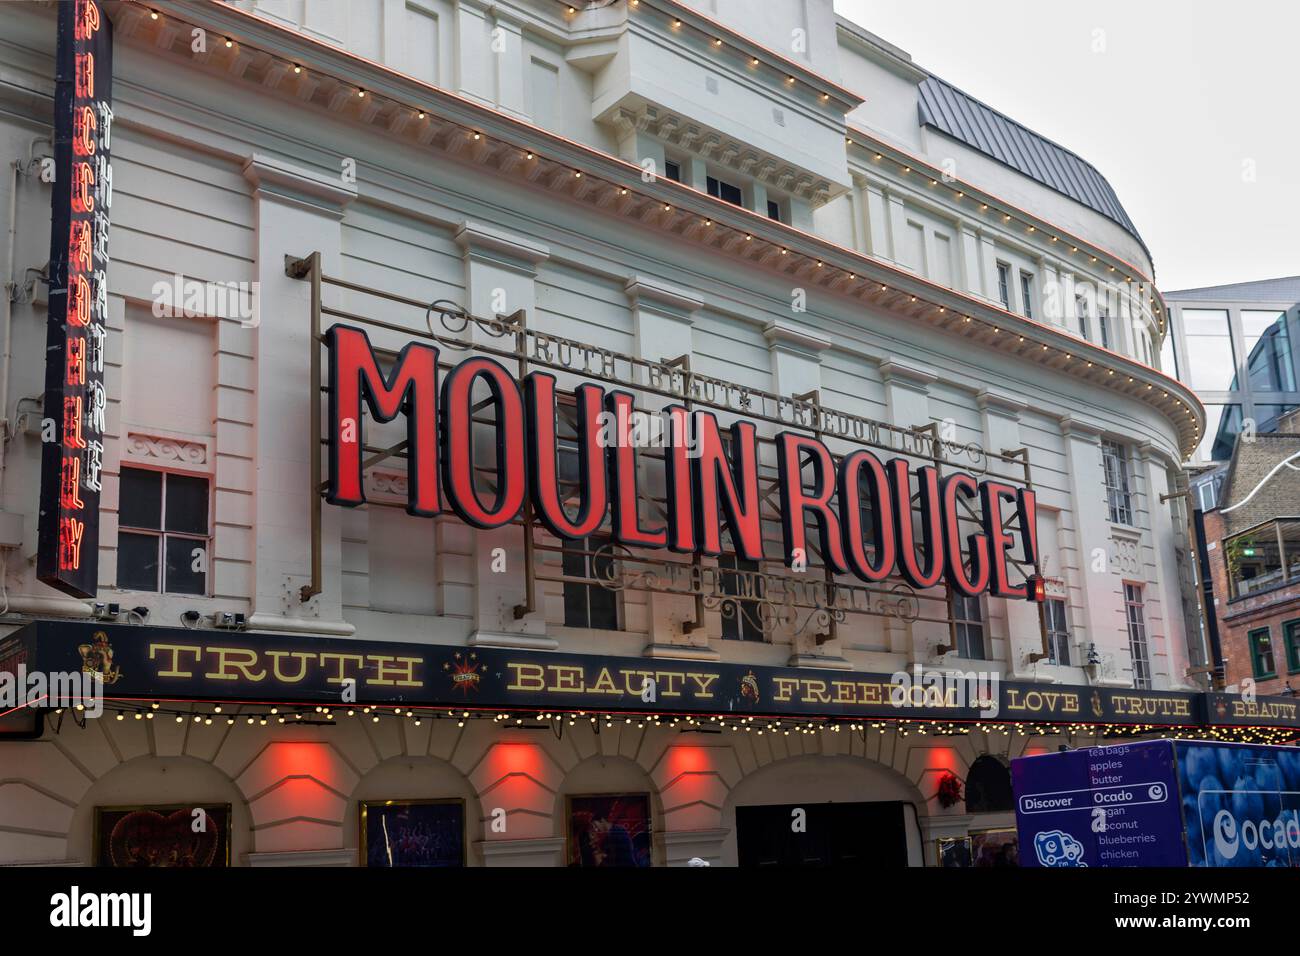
column 777, row 597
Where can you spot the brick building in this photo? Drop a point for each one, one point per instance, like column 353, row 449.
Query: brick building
column 1253, row 545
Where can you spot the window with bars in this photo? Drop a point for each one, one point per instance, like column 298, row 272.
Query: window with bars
column 1137, row 636
column 1119, row 502
column 968, row 622
column 1058, row 631
column 744, row 623
column 586, row 603
column 163, row 532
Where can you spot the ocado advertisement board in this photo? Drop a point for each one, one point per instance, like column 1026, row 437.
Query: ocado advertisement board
column 1159, row 803
column 1101, row 806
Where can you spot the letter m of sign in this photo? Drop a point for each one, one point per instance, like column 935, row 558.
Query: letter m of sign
column 410, row 387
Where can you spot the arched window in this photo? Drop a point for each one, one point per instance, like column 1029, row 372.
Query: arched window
column 988, row 786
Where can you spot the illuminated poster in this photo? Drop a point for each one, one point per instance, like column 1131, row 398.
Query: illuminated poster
column 75, row 401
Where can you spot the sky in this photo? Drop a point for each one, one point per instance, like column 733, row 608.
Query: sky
column 1190, row 108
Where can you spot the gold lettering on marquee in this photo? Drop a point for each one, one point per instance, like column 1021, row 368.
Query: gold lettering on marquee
column 634, row 686
column 241, row 659
column 567, row 678
column 400, row 673
column 670, row 683
column 341, row 658
column 1137, row 705
column 704, row 682
column 1241, row 708
column 528, row 677
column 604, row 683
column 1039, row 701
column 176, row 651
column 303, row 658
column 785, row 687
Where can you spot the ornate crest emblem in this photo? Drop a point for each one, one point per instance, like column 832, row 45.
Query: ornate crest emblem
column 749, row 687
column 465, row 672
column 97, row 658
column 1097, row 709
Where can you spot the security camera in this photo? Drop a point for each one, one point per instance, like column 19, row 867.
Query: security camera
column 106, row 612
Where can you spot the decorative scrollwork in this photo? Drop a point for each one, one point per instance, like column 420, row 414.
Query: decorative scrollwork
column 774, row 600
column 973, row 451
column 456, row 320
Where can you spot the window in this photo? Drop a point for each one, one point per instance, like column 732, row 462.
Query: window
column 740, row 618
column 1168, row 356
column 988, row 786
column 725, row 191
column 1208, row 345
column 1004, row 285
column 589, row 604
column 1261, row 653
column 1027, row 294
column 1291, row 638
column 1268, row 351
column 1137, row 636
column 1081, row 310
column 162, row 541
column 673, row 170
column 1264, row 557
column 1103, row 326
column 1058, row 631
column 774, row 210
column 968, row 622
column 1222, row 426
column 1119, row 505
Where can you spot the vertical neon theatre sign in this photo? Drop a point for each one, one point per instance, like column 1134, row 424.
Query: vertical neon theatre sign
column 75, row 402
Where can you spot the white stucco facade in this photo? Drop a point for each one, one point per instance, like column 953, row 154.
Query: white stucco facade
column 455, row 177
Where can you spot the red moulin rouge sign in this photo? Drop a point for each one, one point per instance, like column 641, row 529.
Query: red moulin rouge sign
column 861, row 507
column 75, row 401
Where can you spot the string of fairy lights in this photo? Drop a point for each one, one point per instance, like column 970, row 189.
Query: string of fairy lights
column 234, row 713
column 825, row 271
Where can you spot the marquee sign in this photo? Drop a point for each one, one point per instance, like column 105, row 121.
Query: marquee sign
column 872, row 519
column 75, row 400
column 183, row 664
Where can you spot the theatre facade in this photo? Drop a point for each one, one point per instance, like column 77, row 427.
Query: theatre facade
column 522, row 434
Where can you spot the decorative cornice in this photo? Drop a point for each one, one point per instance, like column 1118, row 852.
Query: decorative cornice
column 1071, row 424
column 1000, row 206
column 999, row 403
column 511, row 148
column 661, row 296
column 718, row 148
column 298, row 185
column 501, row 247
column 844, row 98
column 894, row 371
column 780, row 332
column 166, row 450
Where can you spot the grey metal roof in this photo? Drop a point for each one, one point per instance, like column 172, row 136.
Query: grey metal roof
column 981, row 127
column 1286, row 289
